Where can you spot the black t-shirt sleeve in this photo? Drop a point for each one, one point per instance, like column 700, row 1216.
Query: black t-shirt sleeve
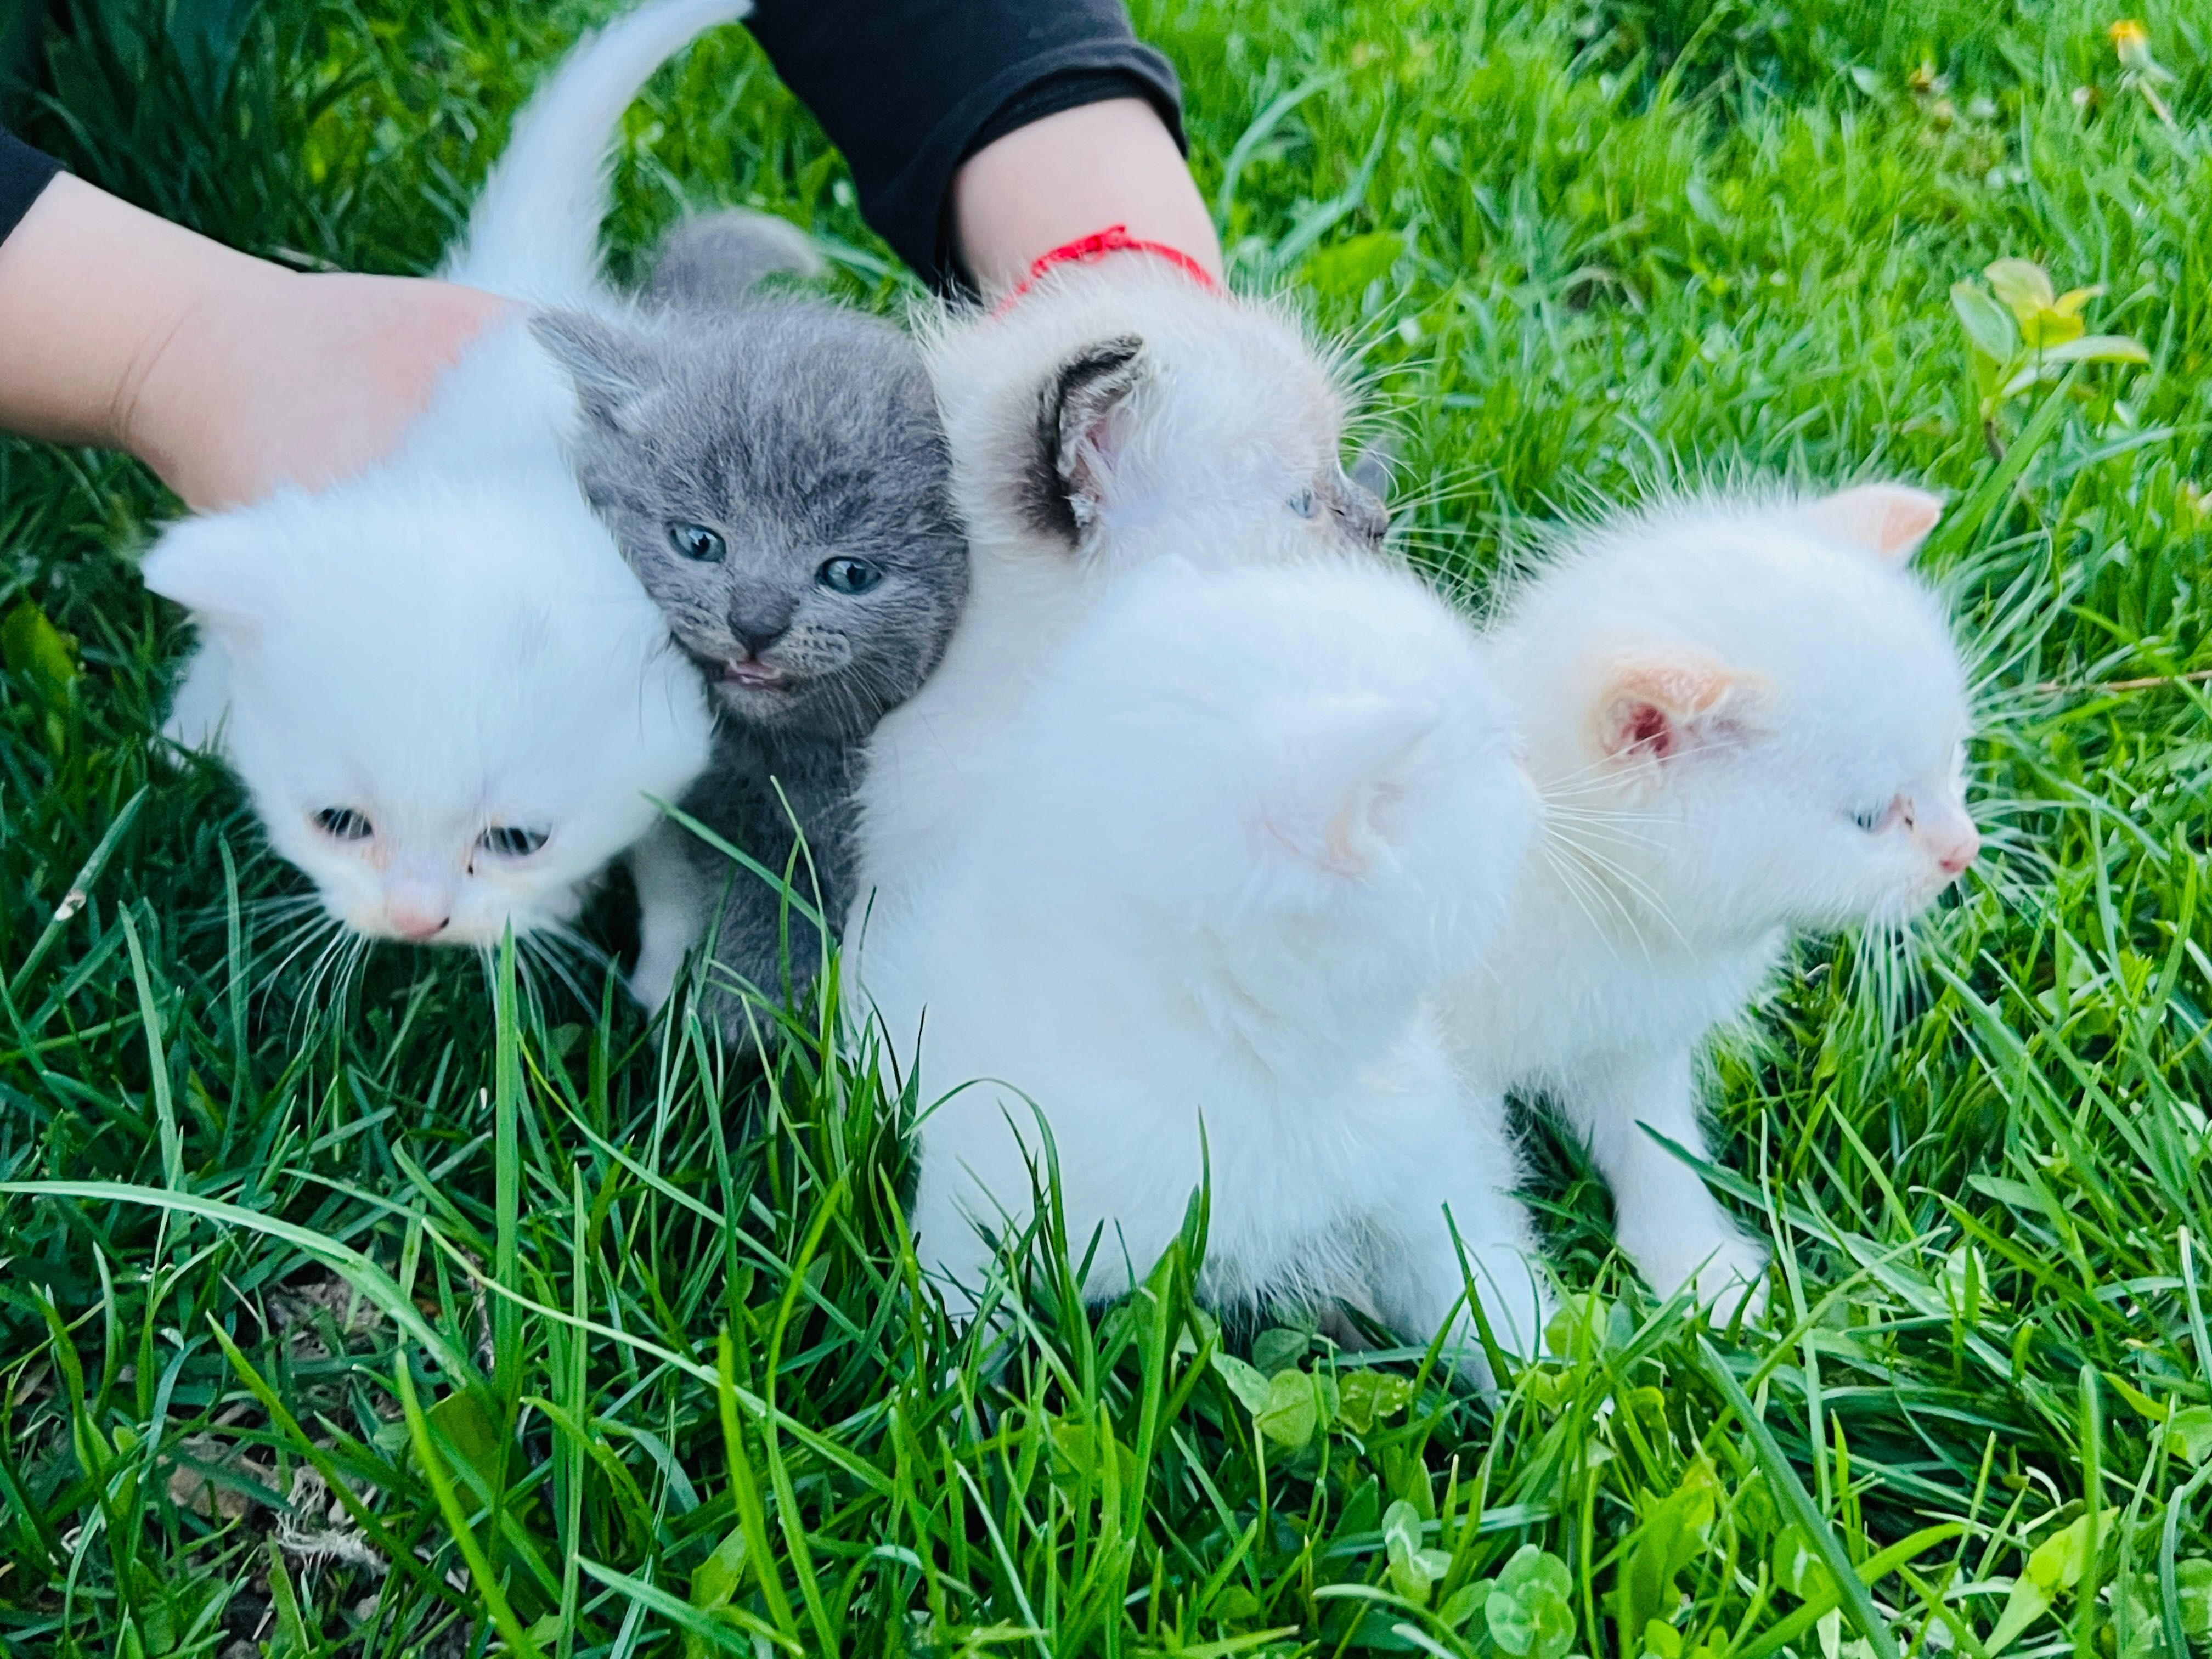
column 908, row 90
column 24, row 172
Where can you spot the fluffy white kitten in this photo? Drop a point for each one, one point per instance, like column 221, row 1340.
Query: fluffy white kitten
column 1245, row 823
column 1747, row 718
column 1112, row 412
column 447, row 696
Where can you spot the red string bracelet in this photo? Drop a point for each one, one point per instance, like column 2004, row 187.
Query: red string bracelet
column 1089, row 249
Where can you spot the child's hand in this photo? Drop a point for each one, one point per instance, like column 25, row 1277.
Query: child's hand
column 226, row 374
column 304, row 378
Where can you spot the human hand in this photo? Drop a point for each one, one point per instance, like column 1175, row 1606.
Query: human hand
column 226, row 374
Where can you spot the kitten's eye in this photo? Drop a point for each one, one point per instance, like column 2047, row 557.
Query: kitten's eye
column 510, row 842
column 849, row 575
column 344, row 823
column 1302, row 503
column 696, row 541
column 1875, row 819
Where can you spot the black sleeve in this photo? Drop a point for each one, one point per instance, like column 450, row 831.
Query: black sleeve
column 23, row 173
column 908, row 90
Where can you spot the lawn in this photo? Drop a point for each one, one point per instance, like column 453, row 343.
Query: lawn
column 440, row 1317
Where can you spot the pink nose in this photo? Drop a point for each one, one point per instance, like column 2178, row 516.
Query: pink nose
column 416, row 922
column 417, row 909
column 1961, row 853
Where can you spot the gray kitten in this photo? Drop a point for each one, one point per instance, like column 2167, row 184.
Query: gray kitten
column 775, row 472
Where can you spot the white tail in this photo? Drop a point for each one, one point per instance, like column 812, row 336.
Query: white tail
column 535, row 232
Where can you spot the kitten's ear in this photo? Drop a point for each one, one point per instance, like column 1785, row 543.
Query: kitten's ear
column 215, row 570
column 1652, row 709
column 1335, row 805
column 612, row 367
column 1082, row 426
column 1889, row 520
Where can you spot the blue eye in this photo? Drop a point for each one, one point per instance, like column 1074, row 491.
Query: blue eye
column 1876, row 819
column 1302, row 503
column 849, row 575
column 696, row 541
column 509, row 843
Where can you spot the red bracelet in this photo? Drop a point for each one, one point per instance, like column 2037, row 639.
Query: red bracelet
column 1089, row 249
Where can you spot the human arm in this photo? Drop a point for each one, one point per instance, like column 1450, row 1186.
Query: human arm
column 982, row 133
column 225, row 374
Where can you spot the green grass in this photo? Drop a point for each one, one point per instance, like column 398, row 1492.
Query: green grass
column 442, row 1320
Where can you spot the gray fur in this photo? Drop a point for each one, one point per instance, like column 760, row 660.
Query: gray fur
column 713, row 260
column 798, row 432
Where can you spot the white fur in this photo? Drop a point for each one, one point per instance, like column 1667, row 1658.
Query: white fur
column 1244, row 824
column 1236, row 415
column 1804, row 675
column 450, row 644
column 535, row 230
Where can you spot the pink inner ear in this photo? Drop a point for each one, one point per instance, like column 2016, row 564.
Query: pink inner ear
column 1647, row 727
column 1653, row 708
column 1889, row 520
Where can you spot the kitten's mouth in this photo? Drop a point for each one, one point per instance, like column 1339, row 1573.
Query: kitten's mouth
column 753, row 675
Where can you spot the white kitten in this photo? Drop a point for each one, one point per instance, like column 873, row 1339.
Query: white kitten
column 1747, row 718
column 1245, row 823
column 1111, row 412
column 448, row 696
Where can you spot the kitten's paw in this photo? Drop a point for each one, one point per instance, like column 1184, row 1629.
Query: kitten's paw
column 1729, row 1281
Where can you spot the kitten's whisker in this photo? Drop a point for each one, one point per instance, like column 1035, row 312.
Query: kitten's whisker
column 1586, row 875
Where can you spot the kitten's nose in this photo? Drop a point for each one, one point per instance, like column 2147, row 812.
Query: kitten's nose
column 761, row 623
column 417, row 910
column 1961, row 853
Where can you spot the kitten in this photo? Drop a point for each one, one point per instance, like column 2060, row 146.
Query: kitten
column 448, row 698
column 1111, row 412
column 775, row 473
column 1748, row 718
column 1246, row 822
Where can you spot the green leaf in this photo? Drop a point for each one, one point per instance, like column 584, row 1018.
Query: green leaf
column 1662, row 1640
column 2194, row 1577
column 1366, row 1398
column 1528, row 1609
column 1799, row 1569
column 207, row 35
column 1580, row 1329
column 1347, row 267
column 1413, row 1570
column 715, row 1579
column 1671, row 1535
column 2028, row 1602
column 1410, row 1577
column 2047, row 330
column 2055, row 1565
column 2023, row 285
column 1293, row 1411
column 2097, row 349
column 1234, row 1605
column 1535, row 1572
column 1075, row 1454
column 1275, row 1350
column 2189, row 1434
column 1988, row 325
column 1250, row 1386
column 1401, row 1526
column 2059, row 1560
column 39, row 654
column 1463, row 1603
